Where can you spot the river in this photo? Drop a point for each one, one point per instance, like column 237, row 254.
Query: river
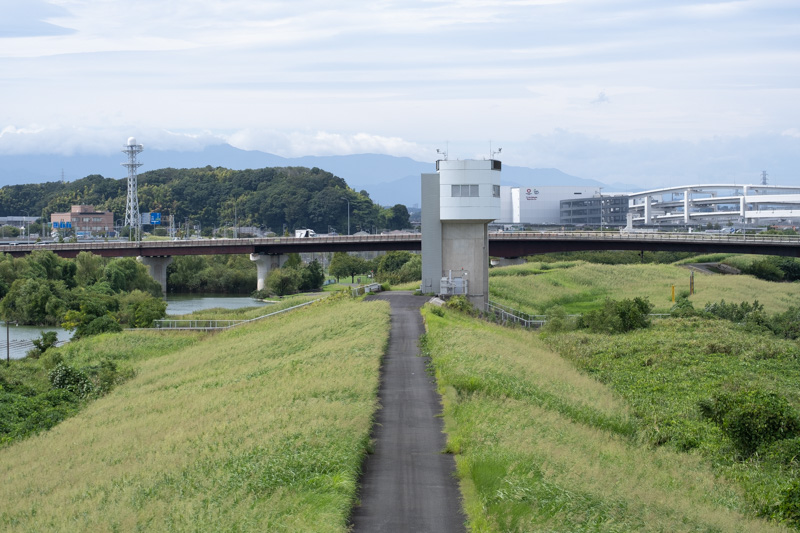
column 177, row 304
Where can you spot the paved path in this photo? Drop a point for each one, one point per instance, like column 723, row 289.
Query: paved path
column 408, row 485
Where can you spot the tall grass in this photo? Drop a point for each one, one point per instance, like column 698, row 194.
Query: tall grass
column 541, row 446
column 584, row 286
column 664, row 373
column 260, row 428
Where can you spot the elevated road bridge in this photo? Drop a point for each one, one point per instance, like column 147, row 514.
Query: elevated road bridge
column 269, row 253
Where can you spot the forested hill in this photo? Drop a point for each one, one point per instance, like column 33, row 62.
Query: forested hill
column 296, row 197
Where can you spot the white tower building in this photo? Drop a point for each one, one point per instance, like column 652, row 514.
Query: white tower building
column 133, row 218
column 458, row 202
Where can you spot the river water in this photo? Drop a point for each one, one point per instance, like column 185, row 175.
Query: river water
column 177, row 304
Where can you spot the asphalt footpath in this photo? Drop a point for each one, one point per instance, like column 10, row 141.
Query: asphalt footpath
column 408, row 484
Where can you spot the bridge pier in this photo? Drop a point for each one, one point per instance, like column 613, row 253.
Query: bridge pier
column 158, row 268
column 266, row 263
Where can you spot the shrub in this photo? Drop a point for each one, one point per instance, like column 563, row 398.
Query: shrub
column 460, row 303
column 789, row 507
column 558, row 320
column 752, row 418
column 683, row 308
column 618, row 316
column 785, row 452
column 766, row 269
column 71, row 379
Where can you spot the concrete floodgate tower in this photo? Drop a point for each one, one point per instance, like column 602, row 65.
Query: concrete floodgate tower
column 458, row 202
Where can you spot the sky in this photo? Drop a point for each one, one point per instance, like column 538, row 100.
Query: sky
column 648, row 93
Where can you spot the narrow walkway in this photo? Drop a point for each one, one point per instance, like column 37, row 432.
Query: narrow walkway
column 408, row 485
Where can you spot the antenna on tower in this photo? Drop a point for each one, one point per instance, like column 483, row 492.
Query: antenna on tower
column 763, row 177
column 133, row 218
column 444, row 153
column 492, row 153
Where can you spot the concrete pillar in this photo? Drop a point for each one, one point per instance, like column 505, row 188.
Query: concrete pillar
column 266, row 263
column 648, row 215
column 158, row 268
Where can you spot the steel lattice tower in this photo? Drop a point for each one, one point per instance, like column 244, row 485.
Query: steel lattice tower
column 133, row 218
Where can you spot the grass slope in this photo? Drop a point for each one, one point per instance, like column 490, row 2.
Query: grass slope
column 579, row 286
column 665, row 371
column 542, row 446
column 261, row 428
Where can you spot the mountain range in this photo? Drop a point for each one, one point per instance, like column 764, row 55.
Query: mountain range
column 389, row 180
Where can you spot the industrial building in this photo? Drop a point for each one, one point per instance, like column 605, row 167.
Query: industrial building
column 84, row 221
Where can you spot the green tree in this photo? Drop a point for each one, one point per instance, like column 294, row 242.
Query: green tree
column 312, row 277
column 89, row 268
column 344, row 264
column 34, row 301
column 283, row 281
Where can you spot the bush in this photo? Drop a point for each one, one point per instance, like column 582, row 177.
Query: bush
column 752, row 418
column 683, row 308
column 460, row 303
column 71, row 379
column 785, row 452
column 618, row 316
column 766, row 269
column 558, row 320
column 789, row 507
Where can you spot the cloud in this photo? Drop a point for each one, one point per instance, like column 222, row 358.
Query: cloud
column 29, row 19
column 601, row 98
column 68, row 141
column 301, row 143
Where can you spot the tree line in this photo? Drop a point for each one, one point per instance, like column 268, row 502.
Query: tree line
column 88, row 294
column 213, row 197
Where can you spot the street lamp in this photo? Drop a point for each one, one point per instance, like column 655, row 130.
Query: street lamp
column 348, row 214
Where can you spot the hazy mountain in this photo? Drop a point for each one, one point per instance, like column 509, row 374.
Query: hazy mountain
column 388, row 180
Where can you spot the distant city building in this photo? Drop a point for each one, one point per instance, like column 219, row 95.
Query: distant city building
column 83, row 220
column 606, row 210
column 539, row 205
column 687, row 205
column 717, row 204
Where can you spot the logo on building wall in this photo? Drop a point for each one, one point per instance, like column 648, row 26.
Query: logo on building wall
column 531, row 194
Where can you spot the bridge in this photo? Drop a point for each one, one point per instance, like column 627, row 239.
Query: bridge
column 269, row 253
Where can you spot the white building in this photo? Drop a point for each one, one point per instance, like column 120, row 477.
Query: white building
column 539, row 205
column 716, row 203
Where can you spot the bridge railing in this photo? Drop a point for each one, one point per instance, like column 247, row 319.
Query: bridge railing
column 648, row 236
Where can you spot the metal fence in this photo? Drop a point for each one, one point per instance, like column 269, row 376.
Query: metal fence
column 212, row 324
column 509, row 315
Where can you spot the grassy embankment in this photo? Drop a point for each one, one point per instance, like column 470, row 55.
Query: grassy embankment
column 579, row 287
column 260, row 428
column 542, row 446
column 608, row 436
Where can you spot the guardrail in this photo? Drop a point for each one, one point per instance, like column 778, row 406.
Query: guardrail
column 366, row 289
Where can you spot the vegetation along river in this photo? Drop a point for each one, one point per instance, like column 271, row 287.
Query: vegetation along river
column 20, row 337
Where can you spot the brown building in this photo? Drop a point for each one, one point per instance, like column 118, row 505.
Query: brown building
column 83, row 220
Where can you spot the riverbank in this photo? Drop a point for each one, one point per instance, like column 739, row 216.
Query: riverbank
column 263, row 427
